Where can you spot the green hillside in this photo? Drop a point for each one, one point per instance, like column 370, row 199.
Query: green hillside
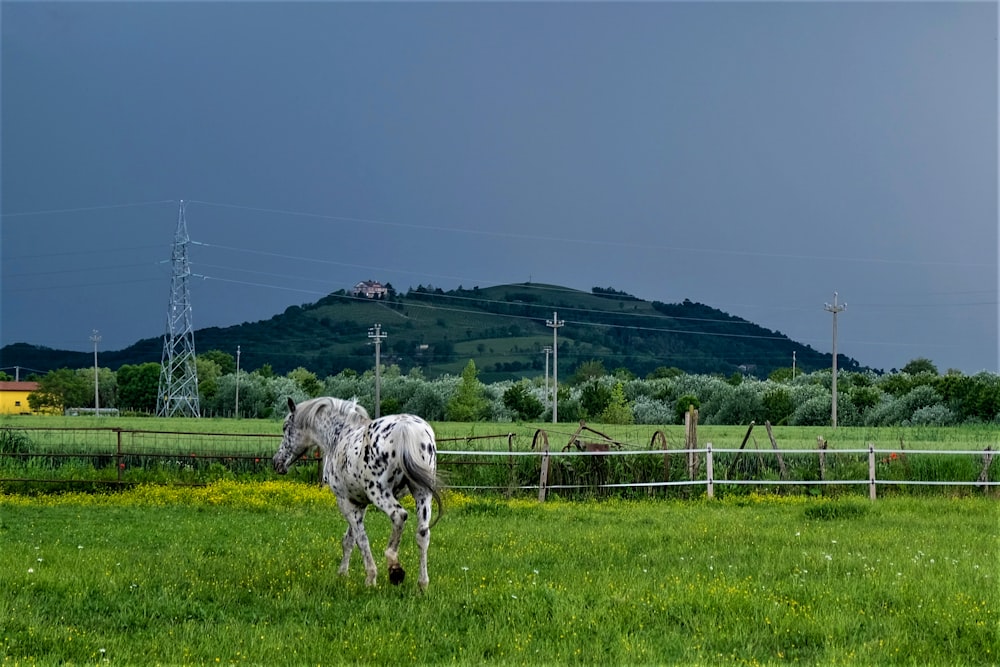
column 502, row 328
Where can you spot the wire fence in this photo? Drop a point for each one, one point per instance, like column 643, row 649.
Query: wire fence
column 67, row 457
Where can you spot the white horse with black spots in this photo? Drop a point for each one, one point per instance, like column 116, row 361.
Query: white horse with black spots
column 368, row 462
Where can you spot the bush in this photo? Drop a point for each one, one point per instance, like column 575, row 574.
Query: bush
column 777, row 405
column 740, row 406
column 814, row 412
column 682, row 405
column 652, row 411
column 934, row 415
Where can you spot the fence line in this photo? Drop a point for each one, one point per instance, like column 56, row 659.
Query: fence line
column 123, row 445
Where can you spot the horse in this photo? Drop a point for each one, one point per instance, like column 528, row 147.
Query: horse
column 368, row 462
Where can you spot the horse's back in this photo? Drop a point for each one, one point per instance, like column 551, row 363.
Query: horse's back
column 402, row 430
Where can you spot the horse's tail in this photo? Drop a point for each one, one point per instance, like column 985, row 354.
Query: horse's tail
column 420, row 462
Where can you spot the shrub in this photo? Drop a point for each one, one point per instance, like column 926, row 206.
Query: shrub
column 933, row 415
column 740, row 406
column 777, row 405
column 814, row 412
column 682, row 405
column 652, row 411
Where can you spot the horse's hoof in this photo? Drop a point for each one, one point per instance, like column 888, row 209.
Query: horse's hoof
column 396, row 575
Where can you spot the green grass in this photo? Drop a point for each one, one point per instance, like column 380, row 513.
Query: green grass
column 239, row 572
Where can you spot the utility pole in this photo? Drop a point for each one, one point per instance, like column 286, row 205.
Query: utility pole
column 377, row 335
column 547, row 350
column 793, row 365
column 834, row 308
column 95, row 338
column 555, row 323
column 236, row 414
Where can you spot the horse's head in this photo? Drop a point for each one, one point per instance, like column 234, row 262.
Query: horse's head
column 294, row 442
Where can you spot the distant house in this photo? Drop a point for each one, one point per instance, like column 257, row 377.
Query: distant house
column 14, row 397
column 370, row 289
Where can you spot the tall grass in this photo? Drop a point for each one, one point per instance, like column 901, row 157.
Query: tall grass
column 236, row 572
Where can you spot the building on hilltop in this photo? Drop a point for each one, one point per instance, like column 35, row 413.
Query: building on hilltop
column 370, row 289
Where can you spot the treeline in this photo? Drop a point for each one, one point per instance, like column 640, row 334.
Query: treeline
column 917, row 395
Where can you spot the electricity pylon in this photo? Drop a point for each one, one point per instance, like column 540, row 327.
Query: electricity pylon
column 178, row 395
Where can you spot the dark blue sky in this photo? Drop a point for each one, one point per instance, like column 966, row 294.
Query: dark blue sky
column 753, row 156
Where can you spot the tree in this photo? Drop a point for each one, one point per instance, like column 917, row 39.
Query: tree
column 226, row 361
column 663, row 372
column 107, row 387
column 469, row 402
column 307, row 380
column 138, row 386
column 588, row 370
column 60, row 389
column 682, row 404
column 594, row 399
column 209, row 373
column 618, row 411
column 777, row 405
column 782, row 374
column 519, row 400
column 920, row 365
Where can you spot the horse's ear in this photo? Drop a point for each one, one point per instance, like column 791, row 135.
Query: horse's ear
column 291, row 405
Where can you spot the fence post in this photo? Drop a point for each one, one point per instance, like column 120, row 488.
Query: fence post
column 659, row 437
column 732, row 466
column 118, row 455
column 510, row 465
column 691, row 440
column 821, row 446
column 543, row 476
column 710, row 483
column 871, row 470
column 777, row 452
column 984, row 476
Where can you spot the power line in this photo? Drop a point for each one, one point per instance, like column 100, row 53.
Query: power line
column 597, row 242
column 82, row 209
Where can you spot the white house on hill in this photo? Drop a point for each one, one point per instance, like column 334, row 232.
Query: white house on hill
column 369, row 289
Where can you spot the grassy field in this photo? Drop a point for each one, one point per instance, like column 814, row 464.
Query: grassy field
column 245, row 573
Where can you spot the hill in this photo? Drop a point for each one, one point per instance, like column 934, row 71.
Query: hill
column 503, row 328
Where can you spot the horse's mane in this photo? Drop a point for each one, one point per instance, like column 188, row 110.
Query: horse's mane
column 350, row 411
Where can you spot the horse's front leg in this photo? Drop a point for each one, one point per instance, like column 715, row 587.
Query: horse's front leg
column 355, row 516
column 348, row 545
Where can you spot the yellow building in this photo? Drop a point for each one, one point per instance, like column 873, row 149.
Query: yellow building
column 14, row 397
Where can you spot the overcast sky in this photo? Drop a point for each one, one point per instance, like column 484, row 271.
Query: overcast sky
column 752, row 156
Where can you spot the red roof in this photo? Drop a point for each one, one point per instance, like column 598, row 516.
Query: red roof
column 18, row 386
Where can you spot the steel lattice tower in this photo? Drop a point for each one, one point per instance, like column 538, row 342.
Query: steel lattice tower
column 178, row 395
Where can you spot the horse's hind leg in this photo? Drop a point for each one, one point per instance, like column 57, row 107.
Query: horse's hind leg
column 355, row 521
column 397, row 515
column 423, row 501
